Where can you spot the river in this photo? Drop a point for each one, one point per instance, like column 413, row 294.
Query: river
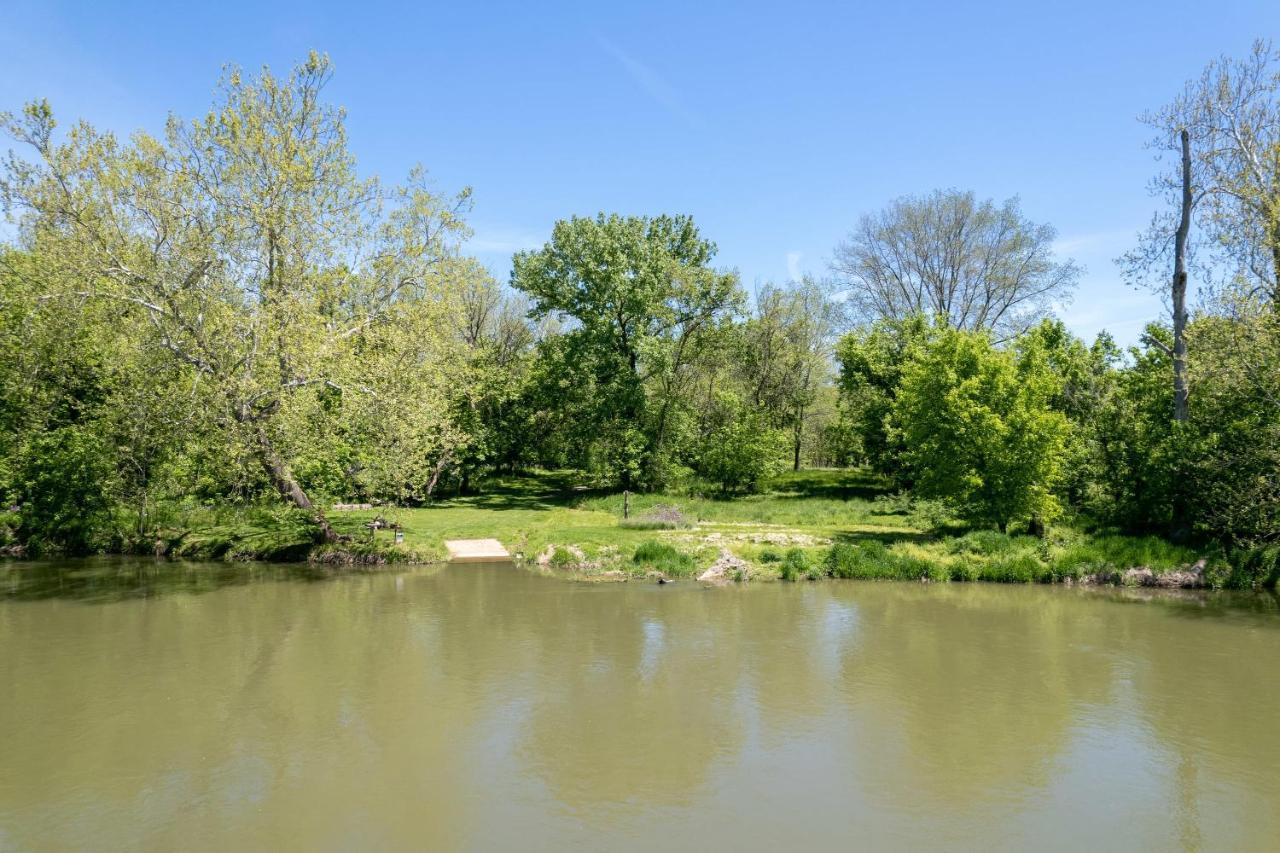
column 149, row 706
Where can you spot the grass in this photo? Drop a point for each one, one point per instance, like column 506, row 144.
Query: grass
column 663, row 558
column 843, row 524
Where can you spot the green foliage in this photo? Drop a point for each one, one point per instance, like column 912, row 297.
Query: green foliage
column 741, row 452
column 563, row 558
column 248, row 226
column 866, row 560
column 663, row 558
column 62, row 489
column 871, row 361
column 1257, row 567
column 795, row 564
column 195, row 319
column 978, row 429
column 645, row 303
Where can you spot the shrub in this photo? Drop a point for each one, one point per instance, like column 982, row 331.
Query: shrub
column 768, row 555
column 563, row 558
column 1256, row 567
column 795, row 563
column 63, row 490
column 743, row 451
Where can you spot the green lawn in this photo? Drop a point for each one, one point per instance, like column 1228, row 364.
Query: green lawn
column 795, row 522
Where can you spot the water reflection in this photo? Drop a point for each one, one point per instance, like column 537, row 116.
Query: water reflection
column 483, row 708
column 103, row 579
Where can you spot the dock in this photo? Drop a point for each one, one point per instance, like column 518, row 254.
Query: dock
column 476, row 551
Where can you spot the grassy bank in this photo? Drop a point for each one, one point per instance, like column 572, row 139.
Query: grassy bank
column 806, row 525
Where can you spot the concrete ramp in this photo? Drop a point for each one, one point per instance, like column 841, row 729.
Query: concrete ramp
column 476, row 551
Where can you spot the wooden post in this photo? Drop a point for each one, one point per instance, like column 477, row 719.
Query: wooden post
column 626, row 503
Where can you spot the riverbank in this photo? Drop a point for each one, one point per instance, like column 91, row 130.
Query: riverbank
column 807, row 525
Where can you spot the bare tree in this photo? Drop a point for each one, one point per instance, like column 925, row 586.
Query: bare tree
column 974, row 264
column 1231, row 114
column 1224, row 130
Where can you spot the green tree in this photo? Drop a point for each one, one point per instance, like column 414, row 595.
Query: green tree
column 978, row 429
column 871, row 361
column 786, row 356
column 255, row 257
column 740, row 451
column 642, row 301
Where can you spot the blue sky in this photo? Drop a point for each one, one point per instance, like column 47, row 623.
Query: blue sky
column 775, row 126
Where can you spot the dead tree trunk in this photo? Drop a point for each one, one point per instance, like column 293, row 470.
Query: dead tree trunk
column 1180, row 391
column 1181, row 403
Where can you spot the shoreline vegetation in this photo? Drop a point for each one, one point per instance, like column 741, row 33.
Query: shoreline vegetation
column 226, row 342
column 807, row 525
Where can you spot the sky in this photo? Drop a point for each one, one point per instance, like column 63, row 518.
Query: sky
column 776, row 126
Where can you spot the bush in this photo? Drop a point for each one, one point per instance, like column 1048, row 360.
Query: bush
column 794, row 564
column 743, row 451
column 63, row 490
column 768, row 555
column 563, row 558
column 663, row 557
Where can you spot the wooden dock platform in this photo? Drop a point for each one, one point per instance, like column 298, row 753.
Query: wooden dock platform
column 476, row 551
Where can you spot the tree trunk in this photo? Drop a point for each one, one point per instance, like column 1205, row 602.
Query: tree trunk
column 289, row 488
column 1181, row 402
column 1180, row 391
column 799, row 435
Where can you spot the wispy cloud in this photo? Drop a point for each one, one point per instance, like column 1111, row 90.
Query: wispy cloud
column 652, row 84
column 793, row 265
column 1101, row 241
column 503, row 241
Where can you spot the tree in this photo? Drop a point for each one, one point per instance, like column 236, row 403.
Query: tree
column 1233, row 448
column 643, row 300
column 978, row 429
column 786, row 354
column 740, row 450
column 255, row 256
column 974, row 265
column 1225, row 130
column 871, row 361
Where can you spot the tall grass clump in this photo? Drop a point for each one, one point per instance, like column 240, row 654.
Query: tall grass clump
column 662, row 557
column 794, row 564
column 867, row 560
column 1014, row 568
column 1253, row 568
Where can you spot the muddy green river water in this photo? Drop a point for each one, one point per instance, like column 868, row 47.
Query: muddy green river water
column 161, row 707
